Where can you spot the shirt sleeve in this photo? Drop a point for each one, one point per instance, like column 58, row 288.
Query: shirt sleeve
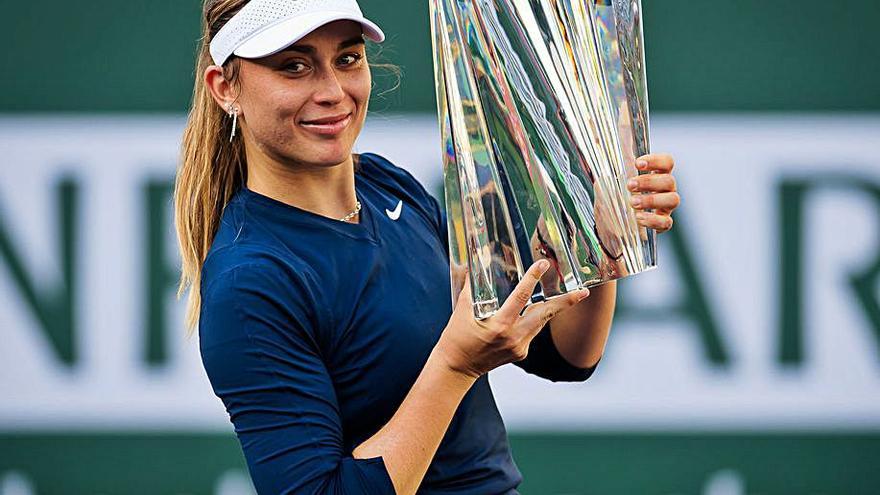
column 263, row 360
column 544, row 359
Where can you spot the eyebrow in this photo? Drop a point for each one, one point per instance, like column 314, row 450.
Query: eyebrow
column 308, row 49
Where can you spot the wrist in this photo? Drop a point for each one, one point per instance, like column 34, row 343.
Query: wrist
column 445, row 363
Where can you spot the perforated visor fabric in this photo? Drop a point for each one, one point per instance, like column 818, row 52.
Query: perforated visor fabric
column 264, row 27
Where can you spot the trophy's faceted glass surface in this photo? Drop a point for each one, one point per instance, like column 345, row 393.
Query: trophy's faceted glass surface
column 543, row 110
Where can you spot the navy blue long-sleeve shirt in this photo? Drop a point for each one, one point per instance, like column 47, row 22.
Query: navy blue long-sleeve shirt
column 312, row 331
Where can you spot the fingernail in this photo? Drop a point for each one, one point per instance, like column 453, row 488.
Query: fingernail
column 543, row 265
column 636, row 201
column 583, row 294
column 642, row 164
column 633, row 185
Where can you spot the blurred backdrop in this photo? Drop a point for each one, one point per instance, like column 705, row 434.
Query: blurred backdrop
column 748, row 364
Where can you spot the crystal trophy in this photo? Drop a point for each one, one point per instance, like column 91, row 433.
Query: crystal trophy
column 543, row 110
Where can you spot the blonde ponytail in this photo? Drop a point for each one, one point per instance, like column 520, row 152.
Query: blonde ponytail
column 212, row 168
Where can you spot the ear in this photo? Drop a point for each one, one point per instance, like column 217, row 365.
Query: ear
column 221, row 89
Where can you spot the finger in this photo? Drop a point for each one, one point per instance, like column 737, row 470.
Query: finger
column 464, row 293
column 656, row 162
column 652, row 183
column 459, row 276
column 465, row 290
column 539, row 314
column 523, row 291
column 458, row 272
column 658, row 222
column 656, row 201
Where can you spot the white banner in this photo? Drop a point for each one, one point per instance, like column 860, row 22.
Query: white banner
column 763, row 316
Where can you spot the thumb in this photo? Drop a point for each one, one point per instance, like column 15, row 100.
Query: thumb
column 464, row 294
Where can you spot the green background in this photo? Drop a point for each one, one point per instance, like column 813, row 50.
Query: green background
column 715, row 55
column 552, row 464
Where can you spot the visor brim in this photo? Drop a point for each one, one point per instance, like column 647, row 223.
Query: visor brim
column 278, row 37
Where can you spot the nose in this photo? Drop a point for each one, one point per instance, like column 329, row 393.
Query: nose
column 329, row 90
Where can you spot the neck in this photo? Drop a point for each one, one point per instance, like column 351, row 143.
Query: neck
column 324, row 190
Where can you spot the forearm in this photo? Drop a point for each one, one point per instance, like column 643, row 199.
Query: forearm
column 580, row 333
column 409, row 441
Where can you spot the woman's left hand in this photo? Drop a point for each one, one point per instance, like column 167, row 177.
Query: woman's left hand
column 655, row 191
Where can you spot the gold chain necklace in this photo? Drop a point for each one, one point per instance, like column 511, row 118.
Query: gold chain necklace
column 357, row 209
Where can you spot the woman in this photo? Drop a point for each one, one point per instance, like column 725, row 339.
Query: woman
column 320, row 281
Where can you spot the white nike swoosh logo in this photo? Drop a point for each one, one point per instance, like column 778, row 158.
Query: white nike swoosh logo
column 394, row 215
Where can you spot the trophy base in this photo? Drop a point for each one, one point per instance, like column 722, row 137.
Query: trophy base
column 485, row 309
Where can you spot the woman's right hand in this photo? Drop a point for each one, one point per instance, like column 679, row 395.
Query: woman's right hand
column 475, row 347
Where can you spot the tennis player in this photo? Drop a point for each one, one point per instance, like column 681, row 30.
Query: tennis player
column 320, row 280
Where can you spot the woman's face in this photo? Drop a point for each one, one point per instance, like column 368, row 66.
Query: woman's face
column 306, row 105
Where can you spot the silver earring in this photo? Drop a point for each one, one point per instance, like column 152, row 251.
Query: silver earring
column 234, row 113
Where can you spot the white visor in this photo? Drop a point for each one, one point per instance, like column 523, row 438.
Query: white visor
column 265, row 27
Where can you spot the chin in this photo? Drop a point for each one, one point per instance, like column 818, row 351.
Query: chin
column 329, row 156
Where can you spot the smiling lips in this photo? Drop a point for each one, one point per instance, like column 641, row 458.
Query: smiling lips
column 327, row 126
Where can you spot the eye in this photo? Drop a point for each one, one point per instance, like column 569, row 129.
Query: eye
column 296, row 67
column 349, row 59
